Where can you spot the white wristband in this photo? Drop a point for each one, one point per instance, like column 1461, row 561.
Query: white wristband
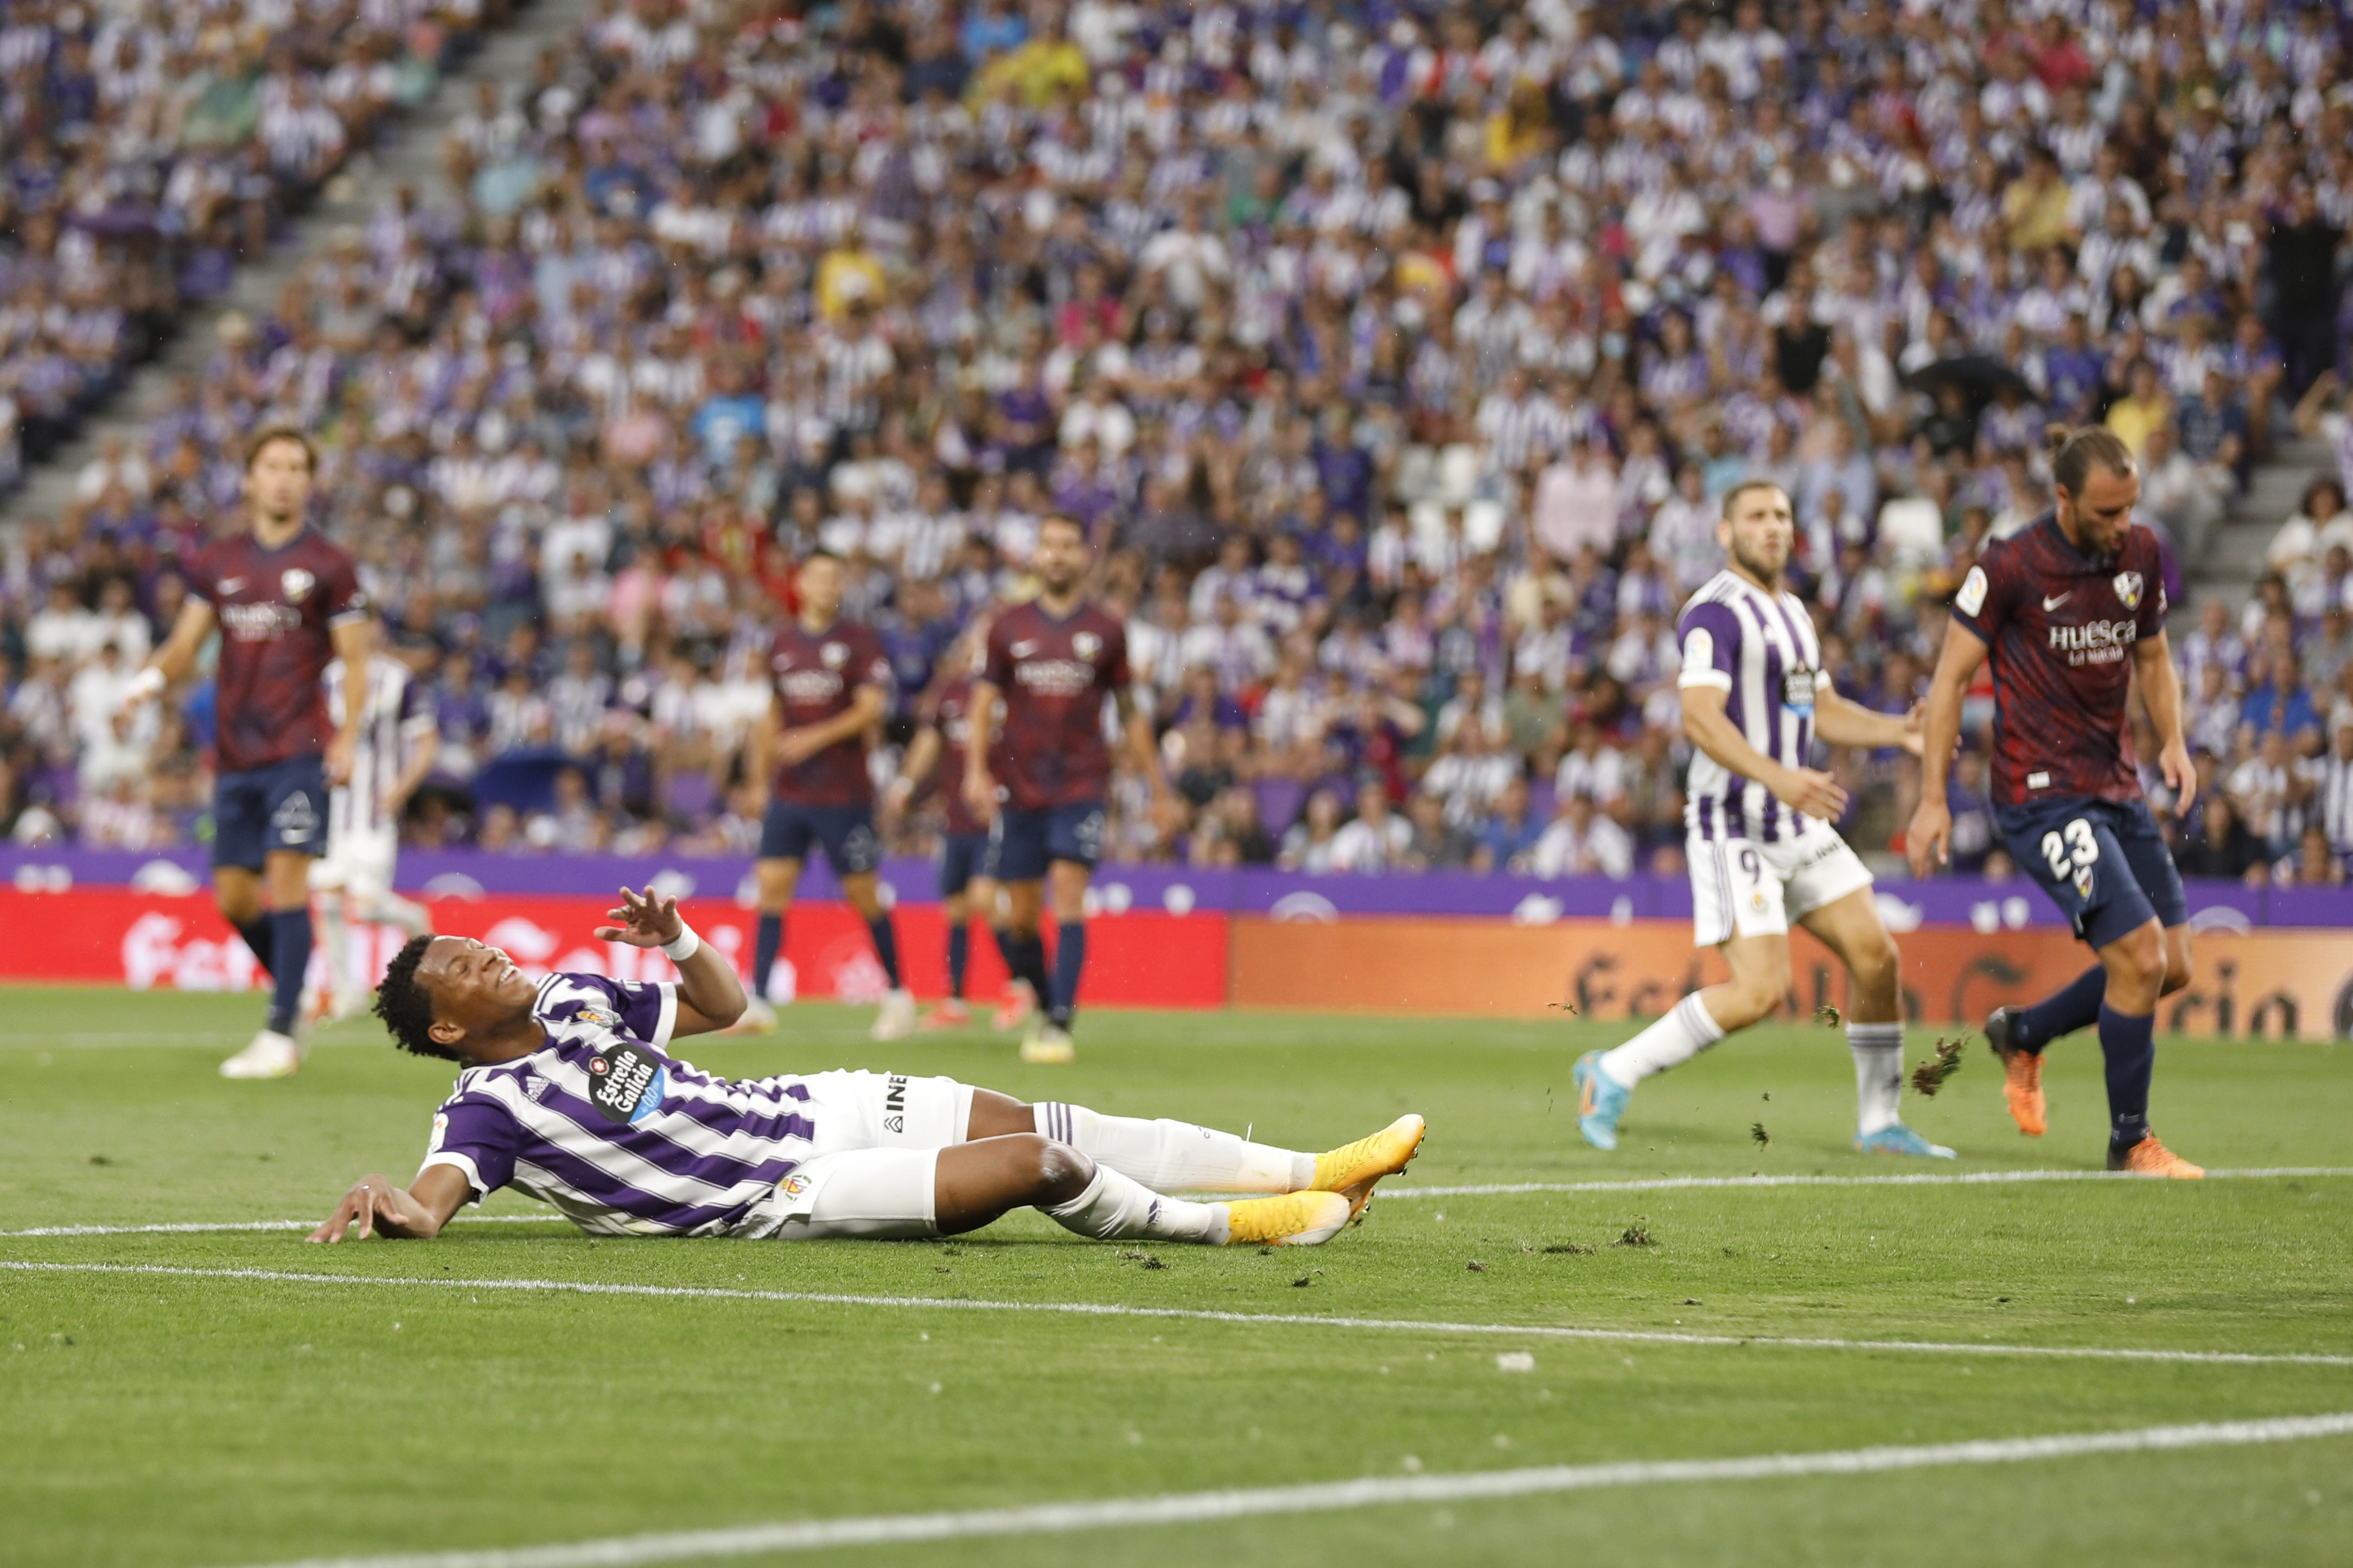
column 148, row 683
column 685, row 947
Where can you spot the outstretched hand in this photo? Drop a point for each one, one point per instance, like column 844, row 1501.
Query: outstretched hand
column 643, row 920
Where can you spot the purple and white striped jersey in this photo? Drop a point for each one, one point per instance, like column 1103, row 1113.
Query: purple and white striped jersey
column 1760, row 649
column 397, row 717
column 605, row 1125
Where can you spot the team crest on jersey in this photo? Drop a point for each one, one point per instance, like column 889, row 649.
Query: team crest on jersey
column 624, row 1084
column 297, row 585
column 1086, row 644
column 602, row 1017
column 793, row 1185
column 834, row 655
column 2128, row 586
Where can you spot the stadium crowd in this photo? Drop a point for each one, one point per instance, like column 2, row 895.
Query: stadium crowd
column 1396, row 358
column 146, row 149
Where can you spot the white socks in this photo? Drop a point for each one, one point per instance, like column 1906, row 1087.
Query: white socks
column 1176, row 1156
column 1114, row 1208
column 1673, row 1040
column 1878, row 1074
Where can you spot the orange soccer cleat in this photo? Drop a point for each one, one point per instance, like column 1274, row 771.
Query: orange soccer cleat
column 2022, row 1075
column 2150, row 1158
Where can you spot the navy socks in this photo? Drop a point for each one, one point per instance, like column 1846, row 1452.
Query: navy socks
column 2129, row 1046
column 1069, row 963
column 766, row 943
column 959, row 955
column 288, row 961
column 886, row 946
column 2074, row 1006
column 257, row 934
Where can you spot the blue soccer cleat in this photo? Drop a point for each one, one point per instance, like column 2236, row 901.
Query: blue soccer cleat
column 1899, row 1139
column 1601, row 1101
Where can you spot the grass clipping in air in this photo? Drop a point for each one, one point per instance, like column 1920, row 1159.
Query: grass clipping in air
column 1930, row 1075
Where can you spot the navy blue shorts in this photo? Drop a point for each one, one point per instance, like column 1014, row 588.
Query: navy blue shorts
column 2103, row 862
column 961, row 858
column 282, row 806
column 846, row 832
column 1021, row 843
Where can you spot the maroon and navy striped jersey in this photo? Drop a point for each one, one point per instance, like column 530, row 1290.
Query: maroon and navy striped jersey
column 277, row 609
column 2060, row 628
column 1054, row 675
column 816, row 677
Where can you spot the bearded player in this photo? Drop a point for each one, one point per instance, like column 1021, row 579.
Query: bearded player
column 567, row 1091
column 1049, row 666
column 832, row 681
column 286, row 602
column 943, row 732
column 1757, row 819
column 2070, row 609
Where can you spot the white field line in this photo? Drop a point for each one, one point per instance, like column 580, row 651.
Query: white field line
column 1186, row 1314
column 1921, row 1179
column 1327, row 1497
column 1492, row 1189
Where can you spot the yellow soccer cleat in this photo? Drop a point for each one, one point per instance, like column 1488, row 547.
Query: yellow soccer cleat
column 1048, row 1046
column 1367, row 1160
column 1292, row 1219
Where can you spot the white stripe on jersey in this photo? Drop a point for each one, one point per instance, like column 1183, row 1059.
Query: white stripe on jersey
column 1772, row 637
column 377, row 753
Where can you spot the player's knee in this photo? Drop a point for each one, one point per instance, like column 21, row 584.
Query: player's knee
column 1062, row 1173
column 1745, row 1004
column 2139, row 958
column 240, row 906
column 2177, row 972
column 1874, row 964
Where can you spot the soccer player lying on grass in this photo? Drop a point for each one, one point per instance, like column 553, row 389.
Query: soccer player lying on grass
column 566, row 1091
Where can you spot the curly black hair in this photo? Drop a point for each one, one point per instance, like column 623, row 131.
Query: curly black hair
column 407, row 1007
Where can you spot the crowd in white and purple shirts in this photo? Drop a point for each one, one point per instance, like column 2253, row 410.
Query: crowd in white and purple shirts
column 1396, row 356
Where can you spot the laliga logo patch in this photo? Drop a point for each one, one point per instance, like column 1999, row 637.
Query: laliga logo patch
column 1086, row 644
column 297, row 585
column 624, row 1084
column 834, row 655
column 2128, row 586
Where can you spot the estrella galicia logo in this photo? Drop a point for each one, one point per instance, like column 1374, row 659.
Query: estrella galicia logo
column 624, row 1084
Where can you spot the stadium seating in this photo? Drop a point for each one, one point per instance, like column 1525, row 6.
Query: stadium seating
column 1398, row 367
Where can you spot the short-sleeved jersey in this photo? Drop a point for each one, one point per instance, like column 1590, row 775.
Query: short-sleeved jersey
column 1054, row 675
column 398, row 718
column 1759, row 651
column 277, row 609
column 817, row 678
column 2059, row 629
column 604, row 1124
column 948, row 709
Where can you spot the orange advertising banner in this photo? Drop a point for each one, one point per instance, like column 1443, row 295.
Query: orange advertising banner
column 2294, row 985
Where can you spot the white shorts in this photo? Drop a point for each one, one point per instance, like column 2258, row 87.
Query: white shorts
column 1744, row 887
column 878, row 1136
column 359, row 864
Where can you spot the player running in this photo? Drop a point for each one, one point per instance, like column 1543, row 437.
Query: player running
column 567, row 1091
column 1049, row 665
column 1758, row 820
column 944, row 729
column 286, row 601
column 2069, row 609
column 396, row 742
column 832, row 681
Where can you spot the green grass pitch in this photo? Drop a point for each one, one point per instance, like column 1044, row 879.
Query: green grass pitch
column 202, row 1420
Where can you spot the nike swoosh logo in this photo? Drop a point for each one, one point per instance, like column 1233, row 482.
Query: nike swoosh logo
column 231, row 584
column 1023, row 649
column 2054, row 604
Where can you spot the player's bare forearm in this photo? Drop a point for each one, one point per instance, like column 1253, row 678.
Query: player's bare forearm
column 984, row 701
column 1805, row 790
column 425, row 751
column 864, row 712
column 351, row 640
column 2160, row 690
column 709, row 995
column 374, row 1206
column 1940, row 725
column 178, row 654
column 922, row 756
column 1841, row 722
column 1142, row 743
